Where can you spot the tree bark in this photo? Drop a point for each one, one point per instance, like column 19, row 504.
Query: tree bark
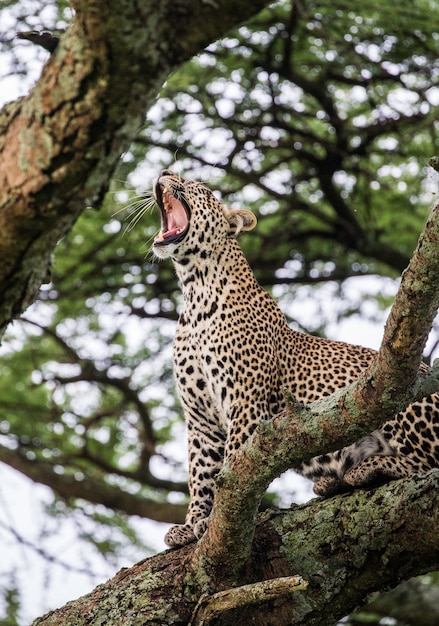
column 60, row 145
column 345, row 547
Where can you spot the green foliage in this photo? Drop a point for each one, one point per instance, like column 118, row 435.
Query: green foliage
column 11, row 600
column 307, row 116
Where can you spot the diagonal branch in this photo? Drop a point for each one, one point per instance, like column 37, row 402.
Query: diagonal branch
column 391, row 382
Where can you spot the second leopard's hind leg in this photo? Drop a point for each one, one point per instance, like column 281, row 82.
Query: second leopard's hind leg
column 364, row 462
column 375, row 470
column 378, row 469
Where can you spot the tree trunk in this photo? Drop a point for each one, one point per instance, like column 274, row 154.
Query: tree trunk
column 345, row 547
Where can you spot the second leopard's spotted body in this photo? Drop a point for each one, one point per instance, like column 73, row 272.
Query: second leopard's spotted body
column 234, row 353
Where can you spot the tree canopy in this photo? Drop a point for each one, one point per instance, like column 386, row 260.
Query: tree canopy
column 318, row 116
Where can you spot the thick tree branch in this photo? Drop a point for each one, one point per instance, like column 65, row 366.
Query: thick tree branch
column 345, row 547
column 60, row 144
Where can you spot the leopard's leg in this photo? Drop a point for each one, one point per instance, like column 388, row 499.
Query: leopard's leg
column 327, row 486
column 206, row 451
column 328, row 471
column 325, row 471
column 378, row 469
column 179, row 535
column 202, row 485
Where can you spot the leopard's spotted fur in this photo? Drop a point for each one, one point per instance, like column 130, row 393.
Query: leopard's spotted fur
column 234, row 352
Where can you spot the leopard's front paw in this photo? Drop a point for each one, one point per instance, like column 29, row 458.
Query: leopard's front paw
column 179, row 535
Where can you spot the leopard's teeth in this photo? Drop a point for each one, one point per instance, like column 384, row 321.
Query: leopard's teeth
column 166, row 203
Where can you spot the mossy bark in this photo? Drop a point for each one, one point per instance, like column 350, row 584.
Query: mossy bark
column 345, row 547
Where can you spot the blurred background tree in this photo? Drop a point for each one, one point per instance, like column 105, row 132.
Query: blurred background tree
column 320, row 117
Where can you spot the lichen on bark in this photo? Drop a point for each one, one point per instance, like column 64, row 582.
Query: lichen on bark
column 346, row 547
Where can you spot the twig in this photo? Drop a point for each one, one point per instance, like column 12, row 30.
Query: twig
column 46, row 40
column 210, row 607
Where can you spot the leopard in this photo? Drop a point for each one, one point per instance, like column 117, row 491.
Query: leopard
column 234, row 355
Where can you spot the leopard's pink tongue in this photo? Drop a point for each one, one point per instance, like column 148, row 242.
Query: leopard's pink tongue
column 173, row 231
column 162, row 236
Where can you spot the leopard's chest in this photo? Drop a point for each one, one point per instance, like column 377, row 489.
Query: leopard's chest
column 204, row 368
column 225, row 359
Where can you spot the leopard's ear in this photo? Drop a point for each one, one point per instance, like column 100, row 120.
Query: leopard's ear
column 239, row 219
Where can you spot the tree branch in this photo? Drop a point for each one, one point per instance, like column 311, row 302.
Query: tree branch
column 346, row 547
column 95, row 491
column 211, row 607
column 46, row 40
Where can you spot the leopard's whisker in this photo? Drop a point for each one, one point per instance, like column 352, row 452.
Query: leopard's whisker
column 136, row 209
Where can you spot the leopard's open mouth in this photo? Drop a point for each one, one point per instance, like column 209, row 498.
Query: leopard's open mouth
column 175, row 214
